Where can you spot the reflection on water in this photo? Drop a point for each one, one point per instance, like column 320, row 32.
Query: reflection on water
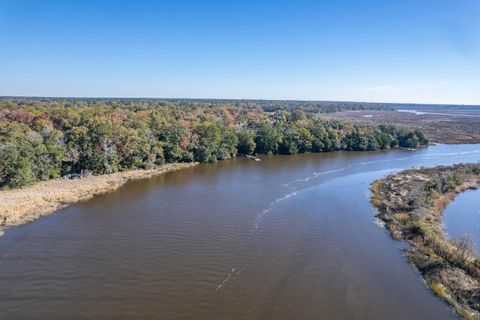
column 290, row 237
column 418, row 113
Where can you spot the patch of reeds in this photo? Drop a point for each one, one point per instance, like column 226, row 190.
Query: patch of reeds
column 18, row 206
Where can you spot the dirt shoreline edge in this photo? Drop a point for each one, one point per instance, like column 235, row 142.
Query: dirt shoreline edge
column 20, row 206
column 411, row 203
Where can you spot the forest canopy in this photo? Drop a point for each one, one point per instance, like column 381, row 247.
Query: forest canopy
column 42, row 139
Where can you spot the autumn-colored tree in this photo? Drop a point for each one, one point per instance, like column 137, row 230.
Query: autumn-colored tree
column 41, row 139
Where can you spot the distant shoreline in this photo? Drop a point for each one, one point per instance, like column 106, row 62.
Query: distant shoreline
column 23, row 205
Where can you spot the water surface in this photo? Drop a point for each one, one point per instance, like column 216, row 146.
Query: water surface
column 462, row 217
column 420, row 113
column 290, row 237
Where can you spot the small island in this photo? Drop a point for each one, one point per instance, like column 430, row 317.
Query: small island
column 411, row 204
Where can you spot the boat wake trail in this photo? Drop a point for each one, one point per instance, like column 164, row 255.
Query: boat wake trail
column 451, row 154
column 323, row 173
column 270, row 207
column 297, row 182
column 316, row 175
column 272, row 204
column 233, row 273
column 297, row 185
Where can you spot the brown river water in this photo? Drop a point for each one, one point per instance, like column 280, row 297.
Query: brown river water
column 290, row 237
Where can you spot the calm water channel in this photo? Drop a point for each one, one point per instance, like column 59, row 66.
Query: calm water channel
column 290, row 237
column 462, row 217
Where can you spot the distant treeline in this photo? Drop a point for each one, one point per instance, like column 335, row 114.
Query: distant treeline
column 41, row 139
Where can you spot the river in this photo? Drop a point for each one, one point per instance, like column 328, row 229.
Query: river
column 456, row 114
column 290, row 237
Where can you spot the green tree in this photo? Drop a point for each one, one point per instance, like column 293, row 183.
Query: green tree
column 246, row 142
column 267, row 139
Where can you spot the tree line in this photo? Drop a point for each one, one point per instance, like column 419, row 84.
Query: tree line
column 43, row 139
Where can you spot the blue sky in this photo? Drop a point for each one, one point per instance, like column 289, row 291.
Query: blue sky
column 425, row 51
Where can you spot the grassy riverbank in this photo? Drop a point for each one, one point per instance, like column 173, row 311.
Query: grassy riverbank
column 411, row 204
column 19, row 206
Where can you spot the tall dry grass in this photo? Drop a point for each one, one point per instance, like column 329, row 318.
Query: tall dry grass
column 19, row 206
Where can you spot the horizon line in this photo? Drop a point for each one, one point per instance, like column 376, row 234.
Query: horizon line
column 2, row 97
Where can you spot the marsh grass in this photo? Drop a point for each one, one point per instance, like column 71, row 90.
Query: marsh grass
column 23, row 205
column 439, row 290
column 411, row 204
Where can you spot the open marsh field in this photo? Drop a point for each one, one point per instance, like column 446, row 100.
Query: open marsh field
column 440, row 125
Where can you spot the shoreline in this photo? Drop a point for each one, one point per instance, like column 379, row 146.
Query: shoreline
column 411, row 203
column 24, row 205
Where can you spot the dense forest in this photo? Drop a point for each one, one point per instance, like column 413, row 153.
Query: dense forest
column 41, row 139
